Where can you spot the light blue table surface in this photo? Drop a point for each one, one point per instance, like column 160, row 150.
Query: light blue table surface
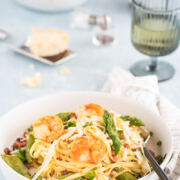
column 89, row 69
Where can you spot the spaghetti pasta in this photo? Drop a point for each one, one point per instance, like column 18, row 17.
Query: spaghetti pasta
column 85, row 146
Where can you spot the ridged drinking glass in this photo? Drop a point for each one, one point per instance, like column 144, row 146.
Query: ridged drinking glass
column 155, row 32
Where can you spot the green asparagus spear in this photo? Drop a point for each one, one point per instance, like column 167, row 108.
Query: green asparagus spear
column 30, row 142
column 39, row 178
column 15, row 163
column 65, row 116
column 133, row 121
column 79, row 178
column 111, row 130
column 21, row 155
column 65, row 176
column 70, row 124
column 126, row 176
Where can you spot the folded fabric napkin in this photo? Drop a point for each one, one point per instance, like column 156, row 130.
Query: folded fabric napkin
column 146, row 91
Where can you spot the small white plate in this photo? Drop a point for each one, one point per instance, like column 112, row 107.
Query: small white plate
column 24, row 50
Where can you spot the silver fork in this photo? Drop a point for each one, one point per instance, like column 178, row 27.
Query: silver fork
column 153, row 162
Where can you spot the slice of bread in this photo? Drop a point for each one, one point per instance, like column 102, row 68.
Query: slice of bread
column 49, row 42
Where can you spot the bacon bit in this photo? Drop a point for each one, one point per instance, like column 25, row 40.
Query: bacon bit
column 23, row 144
column 73, row 116
column 65, row 172
column 16, row 145
column 59, row 158
column 25, row 133
column 113, row 173
column 7, row 151
column 69, row 141
column 126, row 146
column 121, row 135
column 121, row 169
column 115, row 158
column 133, row 149
column 152, row 153
column 112, row 114
column 57, row 175
column 28, row 166
column 18, row 139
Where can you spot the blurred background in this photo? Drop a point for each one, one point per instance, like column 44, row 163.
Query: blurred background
column 88, row 70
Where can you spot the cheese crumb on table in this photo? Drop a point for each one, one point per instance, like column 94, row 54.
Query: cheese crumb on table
column 31, row 66
column 64, row 71
column 32, row 82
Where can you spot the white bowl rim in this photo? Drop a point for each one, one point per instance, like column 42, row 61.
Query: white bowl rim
column 96, row 93
column 47, row 6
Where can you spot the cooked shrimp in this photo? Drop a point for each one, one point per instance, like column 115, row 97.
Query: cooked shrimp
column 48, row 128
column 91, row 110
column 88, row 149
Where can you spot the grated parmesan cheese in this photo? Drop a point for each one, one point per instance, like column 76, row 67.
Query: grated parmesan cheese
column 126, row 137
column 102, row 177
column 139, row 156
column 31, row 66
column 125, row 154
column 146, row 165
column 32, row 82
column 48, row 158
column 69, row 133
column 79, row 126
column 129, row 134
column 64, row 71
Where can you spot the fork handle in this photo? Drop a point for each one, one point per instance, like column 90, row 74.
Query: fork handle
column 155, row 165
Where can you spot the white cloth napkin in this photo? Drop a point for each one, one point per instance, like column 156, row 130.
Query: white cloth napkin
column 146, row 91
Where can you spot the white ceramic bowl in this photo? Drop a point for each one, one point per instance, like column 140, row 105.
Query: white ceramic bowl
column 51, row 5
column 17, row 120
